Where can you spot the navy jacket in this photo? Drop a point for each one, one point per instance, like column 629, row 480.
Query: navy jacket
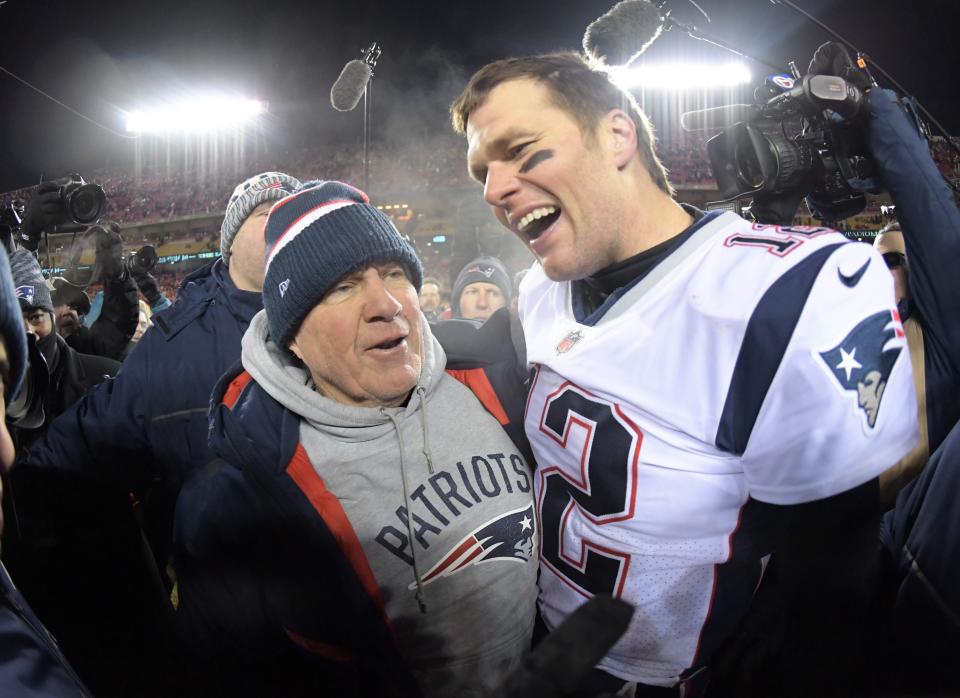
column 922, row 539
column 30, row 662
column 148, row 426
column 260, row 616
column 930, row 221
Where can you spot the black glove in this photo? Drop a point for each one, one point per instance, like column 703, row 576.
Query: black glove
column 833, row 59
column 109, row 255
column 44, row 209
column 147, row 285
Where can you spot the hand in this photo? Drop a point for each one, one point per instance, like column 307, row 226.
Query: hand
column 833, row 59
column 109, row 254
column 43, row 210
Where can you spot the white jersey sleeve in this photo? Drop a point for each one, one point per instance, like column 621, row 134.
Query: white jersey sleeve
column 841, row 407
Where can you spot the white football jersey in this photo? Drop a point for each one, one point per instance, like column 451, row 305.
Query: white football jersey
column 753, row 362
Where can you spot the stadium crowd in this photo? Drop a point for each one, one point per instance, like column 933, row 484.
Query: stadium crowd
column 292, row 452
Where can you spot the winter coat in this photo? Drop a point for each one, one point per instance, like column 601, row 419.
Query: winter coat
column 147, row 428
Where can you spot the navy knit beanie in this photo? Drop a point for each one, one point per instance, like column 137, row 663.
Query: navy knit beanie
column 316, row 237
column 11, row 328
column 486, row 269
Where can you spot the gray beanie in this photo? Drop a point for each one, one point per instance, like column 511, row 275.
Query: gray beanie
column 314, row 239
column 31, row 288
column 267, row 186
column 486, row 269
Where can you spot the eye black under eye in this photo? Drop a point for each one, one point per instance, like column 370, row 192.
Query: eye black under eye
column 536, row 159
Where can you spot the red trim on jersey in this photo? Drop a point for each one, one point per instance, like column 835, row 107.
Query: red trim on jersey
column 583, row 484
column 232, row 394
column 321, row 649
column 713, row 590
column 301, row 471
column 476, row 379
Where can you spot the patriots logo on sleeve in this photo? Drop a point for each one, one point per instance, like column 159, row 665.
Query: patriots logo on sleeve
column 509, row 537
column 862, row 362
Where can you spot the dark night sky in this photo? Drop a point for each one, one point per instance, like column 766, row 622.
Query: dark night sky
column 104, row 56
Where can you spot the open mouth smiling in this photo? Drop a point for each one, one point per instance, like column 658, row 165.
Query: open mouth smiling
column 537, row 221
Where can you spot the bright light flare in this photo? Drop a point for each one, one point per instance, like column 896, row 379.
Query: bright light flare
column 199, row 115
column 681, row 76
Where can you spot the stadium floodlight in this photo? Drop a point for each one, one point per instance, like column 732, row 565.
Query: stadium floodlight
column 201, row 115
column 681, row 76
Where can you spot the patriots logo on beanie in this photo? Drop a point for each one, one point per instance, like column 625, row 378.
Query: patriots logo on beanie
column 316, row 237
column 26, row 294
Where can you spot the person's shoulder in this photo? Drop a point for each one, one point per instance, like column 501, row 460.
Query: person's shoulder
column 98, row 365
column 193, row 300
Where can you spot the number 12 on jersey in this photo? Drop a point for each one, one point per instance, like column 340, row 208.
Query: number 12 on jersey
column 600, row 448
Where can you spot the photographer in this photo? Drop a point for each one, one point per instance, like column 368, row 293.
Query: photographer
column 71, row 204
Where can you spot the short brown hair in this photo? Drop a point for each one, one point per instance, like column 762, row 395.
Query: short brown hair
column 584, row 93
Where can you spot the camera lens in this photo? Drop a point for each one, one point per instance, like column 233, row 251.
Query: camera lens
column 748, row 165
column 86, row 203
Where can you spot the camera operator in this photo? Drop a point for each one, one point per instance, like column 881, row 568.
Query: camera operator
column 70, row 199
column 920, row 537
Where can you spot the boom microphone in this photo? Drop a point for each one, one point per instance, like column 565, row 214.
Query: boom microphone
column 567, row 655
column 349, row 87
column 717, row 117
column 623, row 33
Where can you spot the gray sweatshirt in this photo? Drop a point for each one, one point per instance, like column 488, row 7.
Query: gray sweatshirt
column 442, row 503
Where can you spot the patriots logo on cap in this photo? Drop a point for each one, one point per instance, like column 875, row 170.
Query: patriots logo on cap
column 26, row 293
column 862, row 362
column 486, row 269
column 509, row 537
column 283, row 286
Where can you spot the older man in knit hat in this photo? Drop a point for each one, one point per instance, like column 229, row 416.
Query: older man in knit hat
column 371, row 529
column 147, row 430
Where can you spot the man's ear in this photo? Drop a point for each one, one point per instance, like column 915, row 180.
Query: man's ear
column 622, row 135
column 296, row 349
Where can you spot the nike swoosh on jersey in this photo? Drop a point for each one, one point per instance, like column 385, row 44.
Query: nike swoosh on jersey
column 854, row 278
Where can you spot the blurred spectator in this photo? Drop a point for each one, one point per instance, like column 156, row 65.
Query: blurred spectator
column 31, row 663
column 430, row 298
column 147, row 430
column 482, row 288
column 45, row 544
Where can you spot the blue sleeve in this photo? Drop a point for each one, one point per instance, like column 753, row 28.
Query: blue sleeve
column 930, row 221
column 162, row 304
column 96, row 305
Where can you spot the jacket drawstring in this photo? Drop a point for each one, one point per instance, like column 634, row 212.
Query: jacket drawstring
column 406, row 504
column 422, row 394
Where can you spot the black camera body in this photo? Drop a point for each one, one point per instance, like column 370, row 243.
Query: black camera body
column 803, row 142
column 66, row 205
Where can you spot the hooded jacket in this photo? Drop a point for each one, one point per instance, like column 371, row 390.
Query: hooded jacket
column 357, row 548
